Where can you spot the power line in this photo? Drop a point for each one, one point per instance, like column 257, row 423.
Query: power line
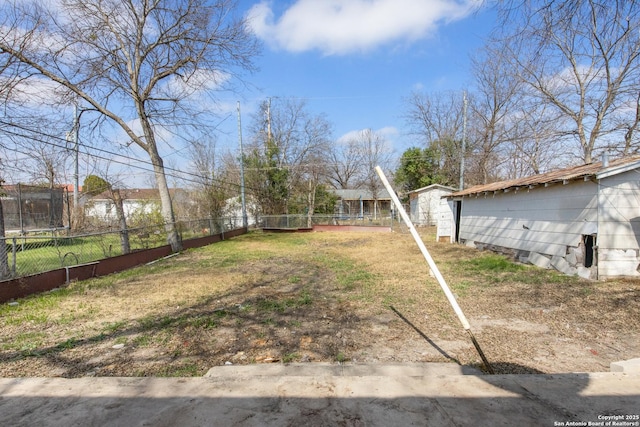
column 176, row 173
column 284, row 166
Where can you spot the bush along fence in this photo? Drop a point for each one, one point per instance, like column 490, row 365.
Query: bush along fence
column 42, row 262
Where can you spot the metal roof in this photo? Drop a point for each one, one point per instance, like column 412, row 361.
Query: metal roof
column 137, row 194
column 356, row 194
column 430, row 187
column 582, row 172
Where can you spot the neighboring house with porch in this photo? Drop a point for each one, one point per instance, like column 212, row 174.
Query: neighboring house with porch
column 424, row 203
column 581, row 220
column 362, row 203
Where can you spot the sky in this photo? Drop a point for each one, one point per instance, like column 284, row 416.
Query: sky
column 353, row 61
column 356, row 61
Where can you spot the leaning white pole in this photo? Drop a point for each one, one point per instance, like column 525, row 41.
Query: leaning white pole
column 423, row 249
column 433, row 267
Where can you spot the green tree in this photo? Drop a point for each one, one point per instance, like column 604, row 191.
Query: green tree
column 94, row 185
column 267, row 180
column 282, row 165
column 419, row 168
column 325, row 201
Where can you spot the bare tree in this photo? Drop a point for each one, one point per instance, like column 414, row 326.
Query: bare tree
column 493, row 109
column 435, row 116
column 213, row 186
column 374, row 151
column 288, row 142
column 630, row 127
column 137, row 63
column 46, row 163
column 531, row 150
column 437, row 119
column 345, row 163
column 582, row 58
column 313, row 177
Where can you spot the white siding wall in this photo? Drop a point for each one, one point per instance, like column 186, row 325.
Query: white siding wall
column 446, row 230
column 544, row 220
column 97, row 208
column 105, row 209
column 425, row 207
column 619, row 225
column 144, row 207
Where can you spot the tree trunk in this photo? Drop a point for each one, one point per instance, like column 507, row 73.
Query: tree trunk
column 124, row 231
column 311, row 203
column 4, row 261
column 166, row 207
column 173, row 238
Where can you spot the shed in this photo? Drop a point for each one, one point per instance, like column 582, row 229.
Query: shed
column 581, row 220
column 425, row 203
column 31, row 207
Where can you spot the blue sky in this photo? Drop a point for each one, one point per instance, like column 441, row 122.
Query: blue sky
column 355, row 60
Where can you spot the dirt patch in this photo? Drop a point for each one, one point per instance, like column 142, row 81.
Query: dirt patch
column 318, row 297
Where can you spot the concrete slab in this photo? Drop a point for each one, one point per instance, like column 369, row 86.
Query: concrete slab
column 631, row 366
column 563, row 266
column 584, row 272
column 319, row 395
column 341, row 370
column 539, row 260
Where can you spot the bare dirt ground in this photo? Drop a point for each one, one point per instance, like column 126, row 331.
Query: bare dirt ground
column 331, row 297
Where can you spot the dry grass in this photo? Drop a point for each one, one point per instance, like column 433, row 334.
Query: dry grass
column 264, row 298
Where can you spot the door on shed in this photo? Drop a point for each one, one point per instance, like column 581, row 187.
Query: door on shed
column 445, row 227
column 457, row 212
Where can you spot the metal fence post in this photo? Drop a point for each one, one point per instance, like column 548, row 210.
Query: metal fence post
column 14, row 250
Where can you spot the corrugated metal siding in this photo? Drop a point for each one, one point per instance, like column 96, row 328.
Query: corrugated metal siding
column 560, row 176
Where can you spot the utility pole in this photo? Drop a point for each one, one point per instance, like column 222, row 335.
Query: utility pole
column 464, row 138
column 269, row 121
column 76, row 133
column 245, row 222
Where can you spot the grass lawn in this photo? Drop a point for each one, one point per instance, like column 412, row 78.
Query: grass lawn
column 337, row 297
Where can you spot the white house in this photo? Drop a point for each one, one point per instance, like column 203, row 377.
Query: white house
column 582, row 220
column 425, row 203
column 134, row 201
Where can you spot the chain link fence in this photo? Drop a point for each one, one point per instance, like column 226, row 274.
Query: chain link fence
column 45, row 250
column 304, row 221
column 57, row 248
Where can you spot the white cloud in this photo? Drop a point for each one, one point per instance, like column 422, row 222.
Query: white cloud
column 388, row 133
column 346, row 26
column 35, row 93
column 196, row 83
